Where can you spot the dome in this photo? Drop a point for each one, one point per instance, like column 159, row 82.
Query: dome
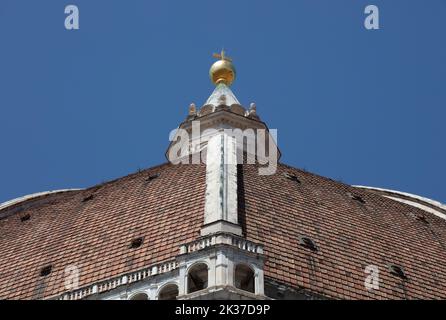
column 283, row 233
column 351, row 228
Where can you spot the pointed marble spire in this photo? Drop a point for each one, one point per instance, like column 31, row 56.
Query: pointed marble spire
column 222, row 95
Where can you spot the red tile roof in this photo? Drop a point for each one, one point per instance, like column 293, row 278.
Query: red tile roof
column 95, row 235
column 93, row 229
column 349, row 235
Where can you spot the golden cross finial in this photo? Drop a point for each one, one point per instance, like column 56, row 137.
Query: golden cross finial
column 222, row 71
column 221, row 56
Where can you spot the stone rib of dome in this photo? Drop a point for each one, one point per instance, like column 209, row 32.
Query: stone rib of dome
column 32, row 196
column 423, row 203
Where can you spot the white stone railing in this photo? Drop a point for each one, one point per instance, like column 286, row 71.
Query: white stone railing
column 200, row 244
column 221, row 238
column 115, row 282
column 246, row 245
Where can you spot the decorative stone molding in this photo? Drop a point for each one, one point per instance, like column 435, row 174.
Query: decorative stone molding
column 122, row 280
column 219, row 120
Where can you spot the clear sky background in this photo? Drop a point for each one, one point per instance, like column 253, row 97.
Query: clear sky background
column 81, row 107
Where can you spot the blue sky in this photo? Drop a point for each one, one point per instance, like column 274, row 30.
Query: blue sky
column 81, row 107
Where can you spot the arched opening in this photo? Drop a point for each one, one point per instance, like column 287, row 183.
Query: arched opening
column 140, row 296
column 244, row 278
column 197, row 279
column 169, row 292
